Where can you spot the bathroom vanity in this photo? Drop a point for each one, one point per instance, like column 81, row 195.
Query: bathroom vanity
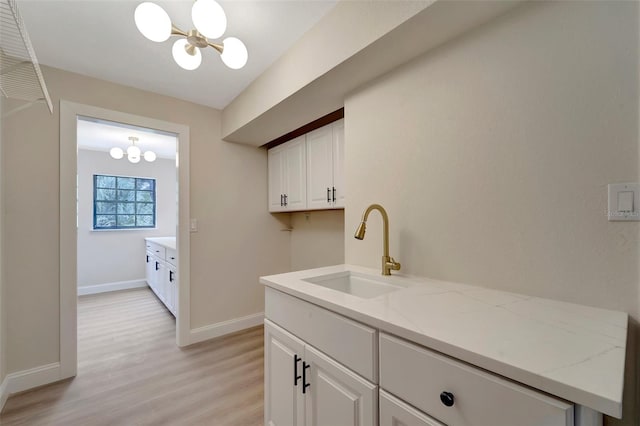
column 162, row 270
column 347, row 346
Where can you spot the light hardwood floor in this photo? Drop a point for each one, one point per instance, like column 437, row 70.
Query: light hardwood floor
column 130, row 372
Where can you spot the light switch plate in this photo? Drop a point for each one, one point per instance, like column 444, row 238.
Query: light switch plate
column 624, row 202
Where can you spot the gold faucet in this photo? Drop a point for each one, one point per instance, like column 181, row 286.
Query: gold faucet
column 388, row 262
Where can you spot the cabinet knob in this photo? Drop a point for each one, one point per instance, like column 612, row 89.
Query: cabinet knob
column 447, row 398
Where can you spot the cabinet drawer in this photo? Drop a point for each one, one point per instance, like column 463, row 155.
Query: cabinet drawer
column 156, row 249
column 394, row 412
column 171, row 256
column 419, row 376
column 346, row 341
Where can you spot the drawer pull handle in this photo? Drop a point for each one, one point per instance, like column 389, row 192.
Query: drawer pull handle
column 170, row 276
column 296, row 377
column 334, row 194
column 305, row 385
column 447, row 399
column 147, row 258
column 328, row 195
column 157, row 266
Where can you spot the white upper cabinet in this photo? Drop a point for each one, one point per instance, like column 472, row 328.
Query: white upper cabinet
column 287, row 176
column 320, row 168
column 325, row 167
column 296, row 172
column 307, row 173
column 338, row 163
column 276, row 178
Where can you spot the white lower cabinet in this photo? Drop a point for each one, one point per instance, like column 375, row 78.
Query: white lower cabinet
column 162, row 275
column 305, row 387
column 284, row 400
column 311, row 359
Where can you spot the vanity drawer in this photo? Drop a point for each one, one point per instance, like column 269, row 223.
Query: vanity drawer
column 419, row 376
column 172, row 256
column 156, row 249
column 347, row 341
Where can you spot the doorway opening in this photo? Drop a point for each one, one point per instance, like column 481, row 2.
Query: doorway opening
column 120, row 213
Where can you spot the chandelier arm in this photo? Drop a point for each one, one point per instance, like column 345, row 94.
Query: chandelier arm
column 218, row 47
column 177, row 31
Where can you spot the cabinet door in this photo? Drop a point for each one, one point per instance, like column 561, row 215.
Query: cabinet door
column 283, row 398
column 149, row 269
column 161, row 271
column 320, row 168
column 394, row 412
column 174, row 291
column 336, row 395
column 296, row 174
column 338, row 163
column 276, row 165
column 170, row 293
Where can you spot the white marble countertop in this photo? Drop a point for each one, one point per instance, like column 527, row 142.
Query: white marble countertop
column 574, row 352
column 168, row 242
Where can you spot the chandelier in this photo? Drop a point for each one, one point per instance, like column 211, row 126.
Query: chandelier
column 210, row 22
column 133, row 152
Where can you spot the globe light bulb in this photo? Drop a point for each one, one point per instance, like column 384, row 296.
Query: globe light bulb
column 234, row 54
column 153, row 22
column 133, row 154
column 116, row 153
column 183, row 58
column 150, row 156
column 209, row 18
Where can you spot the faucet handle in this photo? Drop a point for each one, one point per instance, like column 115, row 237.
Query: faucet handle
column 394, row 265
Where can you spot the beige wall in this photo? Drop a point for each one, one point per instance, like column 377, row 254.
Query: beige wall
column 492, row 155
column 330, row 42
column 317, row 239
column 237, row 240
column 114, row 256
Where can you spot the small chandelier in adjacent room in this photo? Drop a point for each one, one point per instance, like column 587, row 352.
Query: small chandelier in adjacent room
column 210, row 22
column 133, row 152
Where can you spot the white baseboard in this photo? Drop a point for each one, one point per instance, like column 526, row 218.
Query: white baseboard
column 226, row 327
column 28, row 379
column 4, row 393
column 115, row 286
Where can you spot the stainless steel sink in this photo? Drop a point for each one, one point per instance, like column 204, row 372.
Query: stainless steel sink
column 355, row 284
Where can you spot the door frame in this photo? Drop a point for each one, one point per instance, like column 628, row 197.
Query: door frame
column 69, row 112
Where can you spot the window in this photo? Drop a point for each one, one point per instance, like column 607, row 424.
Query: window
column 121, row 202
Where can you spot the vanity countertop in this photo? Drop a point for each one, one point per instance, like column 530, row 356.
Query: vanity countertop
column 572, row 351
column 168, row 242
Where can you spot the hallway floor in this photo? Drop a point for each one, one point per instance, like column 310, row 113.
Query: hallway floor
column 130, row 372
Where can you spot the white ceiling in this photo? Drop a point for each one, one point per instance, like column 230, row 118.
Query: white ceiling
column 98, row 135
column 99, row 38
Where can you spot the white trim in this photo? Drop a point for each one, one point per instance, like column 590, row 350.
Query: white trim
column 28, row 379
column 69, row 112
column 114, row 286
column 226, row 327
column 4, row 393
